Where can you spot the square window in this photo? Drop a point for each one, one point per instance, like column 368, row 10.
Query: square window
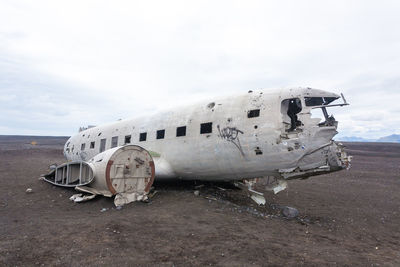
column 92, row 144
column 83, row 146
column 142, row 137
column 181, row 131
column 102, row 145
column 206, row 128
column 160, row 134
column 114, row 141
column 127, row 139
column 253, row 113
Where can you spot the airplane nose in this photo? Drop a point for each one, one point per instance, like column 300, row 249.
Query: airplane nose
column 325, row 159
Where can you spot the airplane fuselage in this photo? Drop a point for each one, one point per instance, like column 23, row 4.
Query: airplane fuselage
column 232, row 138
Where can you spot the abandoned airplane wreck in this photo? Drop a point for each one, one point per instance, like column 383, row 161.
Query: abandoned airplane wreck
column 266, row 133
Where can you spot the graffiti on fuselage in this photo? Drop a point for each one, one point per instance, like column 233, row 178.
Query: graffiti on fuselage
column 231, row 134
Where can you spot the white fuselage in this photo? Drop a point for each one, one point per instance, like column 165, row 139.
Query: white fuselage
column 247, row 137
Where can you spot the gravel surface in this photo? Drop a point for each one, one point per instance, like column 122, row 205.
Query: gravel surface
column 345, row 218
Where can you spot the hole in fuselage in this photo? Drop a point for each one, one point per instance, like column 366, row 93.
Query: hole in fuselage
column 211, row 105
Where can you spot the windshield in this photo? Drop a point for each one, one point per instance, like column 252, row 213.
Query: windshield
column 318, row 101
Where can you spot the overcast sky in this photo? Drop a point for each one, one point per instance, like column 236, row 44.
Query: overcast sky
column 65, row 64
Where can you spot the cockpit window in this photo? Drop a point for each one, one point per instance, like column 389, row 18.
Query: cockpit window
column 318, row 101
column 321, row 103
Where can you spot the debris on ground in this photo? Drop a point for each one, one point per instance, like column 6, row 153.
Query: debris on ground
column 152, row 193
column 196, row 193
column 29, row 190
column 125, row 198
column 260, row 200
column 256, row 196
column 81, row 198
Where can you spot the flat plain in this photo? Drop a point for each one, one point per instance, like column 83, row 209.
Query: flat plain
column 351, row 217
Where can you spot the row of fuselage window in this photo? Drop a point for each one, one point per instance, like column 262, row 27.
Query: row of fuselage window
column 205, row 128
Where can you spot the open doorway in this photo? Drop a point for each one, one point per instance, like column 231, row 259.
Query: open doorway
column 289, row 109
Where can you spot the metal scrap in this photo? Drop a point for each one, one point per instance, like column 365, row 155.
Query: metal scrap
column 77, row 198
column 125, row 198
column 260, row 200
column 256, row 196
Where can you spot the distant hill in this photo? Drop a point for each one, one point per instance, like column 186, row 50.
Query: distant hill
column 355, row 139
column 394, row 138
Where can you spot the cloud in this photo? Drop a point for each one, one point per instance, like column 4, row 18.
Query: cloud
column 368, row 117
column 65, row 64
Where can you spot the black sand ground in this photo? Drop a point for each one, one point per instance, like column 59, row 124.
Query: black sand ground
column 346, row 218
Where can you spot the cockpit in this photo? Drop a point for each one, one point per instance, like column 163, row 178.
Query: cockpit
column 322, row 103
column 297, row 111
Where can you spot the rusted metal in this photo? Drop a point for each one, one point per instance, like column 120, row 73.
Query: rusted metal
column 108, row 179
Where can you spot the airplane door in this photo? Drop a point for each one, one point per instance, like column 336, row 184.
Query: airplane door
column 291, row 125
